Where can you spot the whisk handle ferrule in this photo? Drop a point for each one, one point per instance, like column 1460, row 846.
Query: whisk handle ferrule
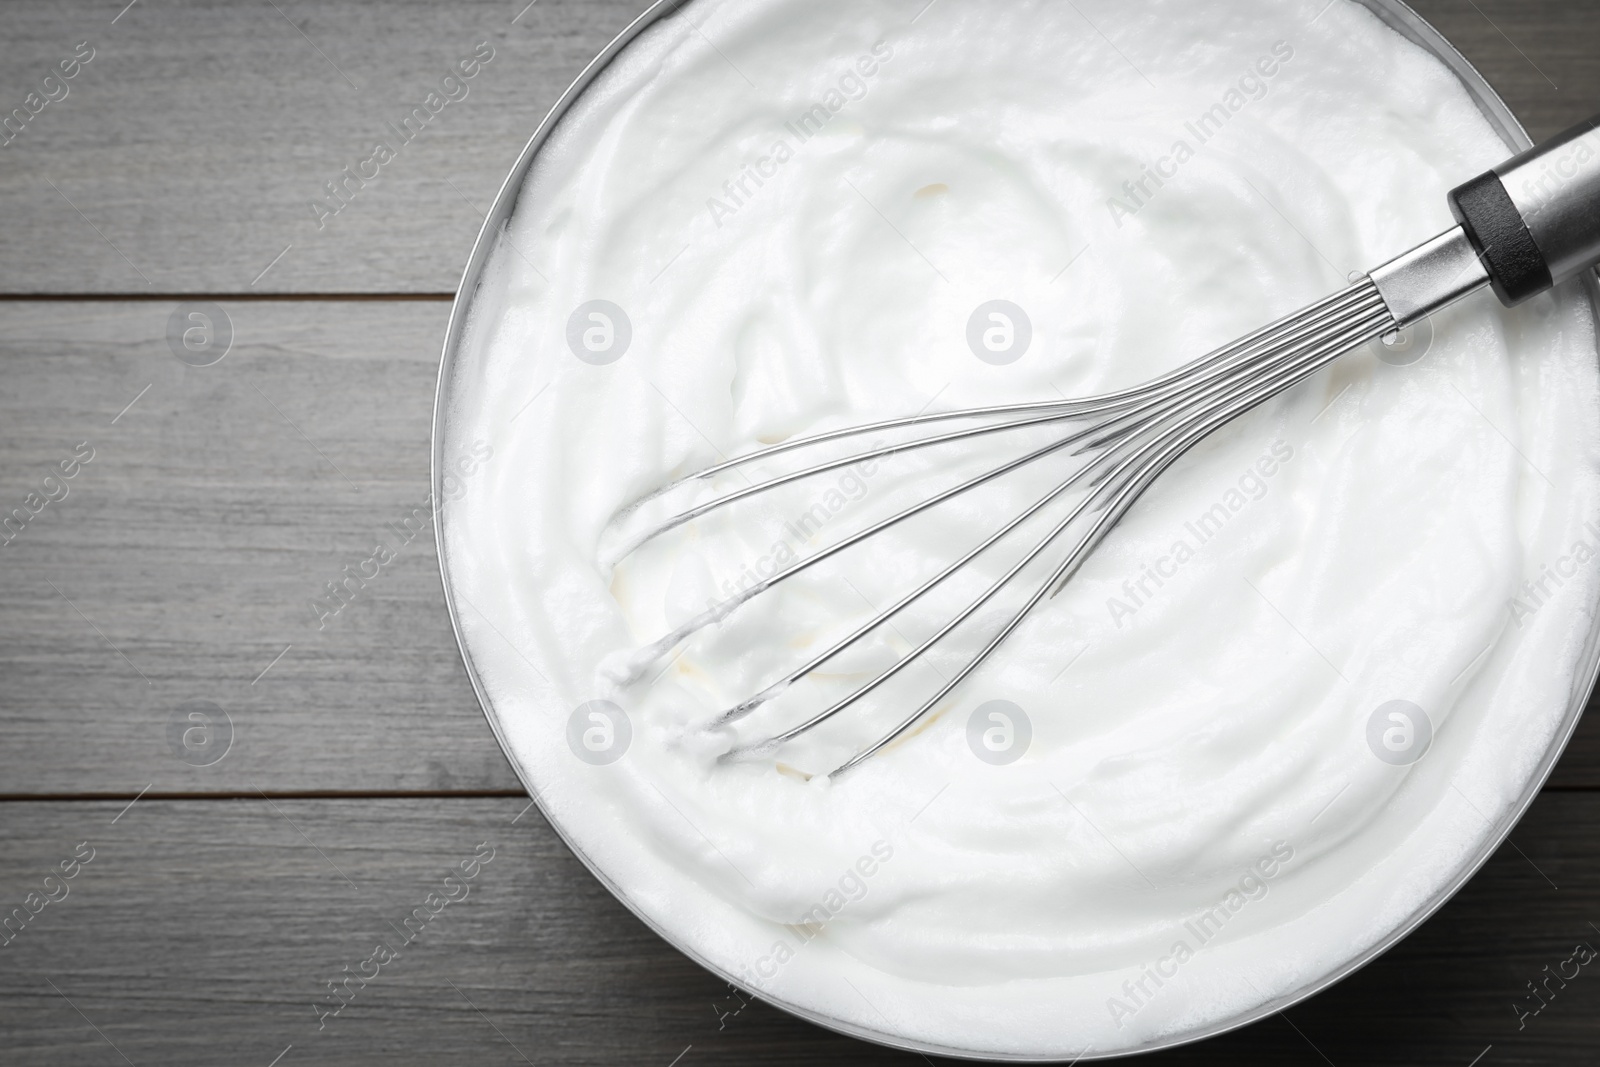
column 1431, row 276
column 1535, row 219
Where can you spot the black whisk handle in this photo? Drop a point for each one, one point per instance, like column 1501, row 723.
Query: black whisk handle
column 1535, row 219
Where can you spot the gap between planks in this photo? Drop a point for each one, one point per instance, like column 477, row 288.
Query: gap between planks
column 372, row 794
column 280, row 794
column 258, row 298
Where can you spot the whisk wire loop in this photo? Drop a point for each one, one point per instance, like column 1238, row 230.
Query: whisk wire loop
column 1132, row 436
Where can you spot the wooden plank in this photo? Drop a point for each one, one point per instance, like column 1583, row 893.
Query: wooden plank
column 1538, row 54
column 1580, row 764
column 204, row 932
column 183, row 560
column 187, row 152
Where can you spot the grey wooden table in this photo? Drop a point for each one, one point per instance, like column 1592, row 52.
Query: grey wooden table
column 338, row 770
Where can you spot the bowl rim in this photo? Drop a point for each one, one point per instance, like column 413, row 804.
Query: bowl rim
column 1398, row 16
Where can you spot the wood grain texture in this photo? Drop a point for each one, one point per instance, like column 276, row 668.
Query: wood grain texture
column 204, row 933
column 1538, row 55
column 195, row 140
column 186, row 554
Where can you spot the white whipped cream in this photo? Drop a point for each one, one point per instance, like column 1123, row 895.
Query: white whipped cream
column 797, row 206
